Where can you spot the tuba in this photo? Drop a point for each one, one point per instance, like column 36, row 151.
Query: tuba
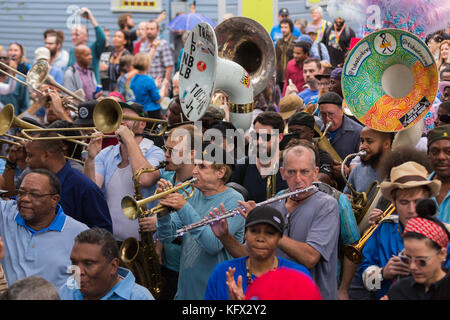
column 238, row 57
column 141, row 257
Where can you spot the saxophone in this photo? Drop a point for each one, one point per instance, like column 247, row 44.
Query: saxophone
column 140, row 256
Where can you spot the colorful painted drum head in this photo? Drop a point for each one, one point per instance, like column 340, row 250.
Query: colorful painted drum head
column 389, row 80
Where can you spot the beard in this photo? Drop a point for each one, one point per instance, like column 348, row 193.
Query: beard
column 372, row 160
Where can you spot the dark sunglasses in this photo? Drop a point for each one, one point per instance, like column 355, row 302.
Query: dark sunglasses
column 4, row 58
column 444, row 118
column 421, row 262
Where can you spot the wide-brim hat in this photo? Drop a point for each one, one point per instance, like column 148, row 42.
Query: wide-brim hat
column 289, row 105
column 407, row 176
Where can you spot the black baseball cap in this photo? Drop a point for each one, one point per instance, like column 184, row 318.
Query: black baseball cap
column 283, row 12
column 265, row 214
column 302, row 119
column 85, row 111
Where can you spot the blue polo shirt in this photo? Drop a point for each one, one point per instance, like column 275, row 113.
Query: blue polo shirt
column 44, row 253
column 127, row 289
column 82, row 199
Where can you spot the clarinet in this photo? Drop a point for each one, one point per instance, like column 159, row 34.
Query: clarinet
column 205, row 221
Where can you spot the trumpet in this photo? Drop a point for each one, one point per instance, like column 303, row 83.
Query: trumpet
column 354, row 252
column 231, row 213
column 131, row 206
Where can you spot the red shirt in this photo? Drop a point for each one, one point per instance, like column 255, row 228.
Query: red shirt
column 295, row 73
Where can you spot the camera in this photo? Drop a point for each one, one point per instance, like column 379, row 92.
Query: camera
column 85, row 14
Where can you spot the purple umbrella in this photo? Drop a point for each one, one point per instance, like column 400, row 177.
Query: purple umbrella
column 187, row 21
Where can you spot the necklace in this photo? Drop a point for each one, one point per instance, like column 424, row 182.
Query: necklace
column 249, row 275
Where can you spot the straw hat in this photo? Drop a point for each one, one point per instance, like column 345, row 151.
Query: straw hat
column 289, row 105
column 406, row 176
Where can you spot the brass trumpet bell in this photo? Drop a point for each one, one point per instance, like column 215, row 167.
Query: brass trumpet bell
column 131, row 207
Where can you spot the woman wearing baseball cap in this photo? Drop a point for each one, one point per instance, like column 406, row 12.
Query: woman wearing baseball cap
column 263, row 230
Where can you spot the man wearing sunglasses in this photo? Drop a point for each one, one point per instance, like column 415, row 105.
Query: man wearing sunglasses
column 262, row 161
column 439, row 155
column 443, row 114
column 36, row 233
column 381, row 265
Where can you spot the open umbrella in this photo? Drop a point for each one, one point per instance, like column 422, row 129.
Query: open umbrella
column 187, row 21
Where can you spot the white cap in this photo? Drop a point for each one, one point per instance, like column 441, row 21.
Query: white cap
column 42, row 53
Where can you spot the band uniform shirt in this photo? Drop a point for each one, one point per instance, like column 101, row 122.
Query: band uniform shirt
column 44, row 253
column 316, row 223
column 82, row 199
column 126, row 289
column 217, row 288
column 385, row 242
column 108, row 160
column 201, row 250
column 347, row 138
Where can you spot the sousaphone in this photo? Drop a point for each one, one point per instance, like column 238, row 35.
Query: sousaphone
column 237, row 58
column 389, row 80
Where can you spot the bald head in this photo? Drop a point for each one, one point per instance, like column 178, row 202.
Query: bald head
column 83, row 55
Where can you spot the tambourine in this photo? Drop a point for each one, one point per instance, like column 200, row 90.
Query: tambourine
column 389, row 80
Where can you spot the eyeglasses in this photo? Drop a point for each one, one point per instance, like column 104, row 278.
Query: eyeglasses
column 166, row 148
column 444, row 118
column 325, row 115
column 421, row 262
column 33, row 195
column 4, row 58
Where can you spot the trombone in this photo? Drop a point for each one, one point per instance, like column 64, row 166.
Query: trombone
column 8, row 120
column 26, row 140
column 130, row 206
column 37, row 76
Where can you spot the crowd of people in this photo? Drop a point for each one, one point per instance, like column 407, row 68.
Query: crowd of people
column 63, row 230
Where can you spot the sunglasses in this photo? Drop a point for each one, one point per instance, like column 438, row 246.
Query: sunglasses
column 444, row 118
column 4, row 58
column 421, row 262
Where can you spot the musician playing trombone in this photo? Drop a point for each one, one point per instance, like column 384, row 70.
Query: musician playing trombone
column 113, row 168
column 201, row 251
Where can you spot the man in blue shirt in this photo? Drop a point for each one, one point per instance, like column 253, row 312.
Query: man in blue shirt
column 36, row 232
column 439, row 155
column 310, row 95
column 276, row 33
column 381, row 265
column 80, row 197
column 97, row 276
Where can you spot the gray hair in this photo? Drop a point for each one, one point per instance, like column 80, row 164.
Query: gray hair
column 318, row 8
column 31, row 288
column 299, row 150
